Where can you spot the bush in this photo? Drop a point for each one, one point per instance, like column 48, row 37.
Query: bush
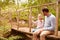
column 2, row 38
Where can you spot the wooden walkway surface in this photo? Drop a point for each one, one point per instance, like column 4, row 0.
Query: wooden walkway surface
column 26, row 30
column 22, row 29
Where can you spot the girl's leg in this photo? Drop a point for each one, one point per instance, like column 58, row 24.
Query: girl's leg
column 35, row 34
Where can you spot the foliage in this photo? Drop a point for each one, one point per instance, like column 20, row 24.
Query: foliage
column 15, row 37
column 6, row 6
column 2, row 38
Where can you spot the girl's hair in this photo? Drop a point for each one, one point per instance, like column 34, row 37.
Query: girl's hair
column 39, row 15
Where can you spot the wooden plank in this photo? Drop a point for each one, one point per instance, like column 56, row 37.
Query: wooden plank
column 53, row 36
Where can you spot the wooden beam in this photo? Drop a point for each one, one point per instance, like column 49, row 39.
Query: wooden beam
column 44, row 5
column 56, row 28
column 37, row 6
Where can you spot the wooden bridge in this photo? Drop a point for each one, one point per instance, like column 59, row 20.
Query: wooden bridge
column 25, row 30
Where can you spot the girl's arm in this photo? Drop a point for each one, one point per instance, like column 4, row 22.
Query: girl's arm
column 34, row 22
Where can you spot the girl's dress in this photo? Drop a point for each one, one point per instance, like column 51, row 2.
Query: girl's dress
column 39, row 25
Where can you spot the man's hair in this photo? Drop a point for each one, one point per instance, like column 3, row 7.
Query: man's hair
column 45, row 10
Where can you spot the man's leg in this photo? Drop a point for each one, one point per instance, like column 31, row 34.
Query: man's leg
column 43, row 34
column 35, row 34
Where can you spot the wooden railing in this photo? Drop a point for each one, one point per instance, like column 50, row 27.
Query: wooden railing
column 30, row 15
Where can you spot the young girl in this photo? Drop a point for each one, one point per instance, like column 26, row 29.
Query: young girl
column 38, row 23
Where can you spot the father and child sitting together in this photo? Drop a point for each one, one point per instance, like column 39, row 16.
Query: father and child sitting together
column 44, row 27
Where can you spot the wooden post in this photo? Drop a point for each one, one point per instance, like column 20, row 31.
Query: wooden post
column 10, row 18
column 56, row 28
column 17, row 19
column 30, row 19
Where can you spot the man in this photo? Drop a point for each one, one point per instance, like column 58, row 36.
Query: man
column 49, row 25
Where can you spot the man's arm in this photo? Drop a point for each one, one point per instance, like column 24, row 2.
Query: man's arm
column 52, row 27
